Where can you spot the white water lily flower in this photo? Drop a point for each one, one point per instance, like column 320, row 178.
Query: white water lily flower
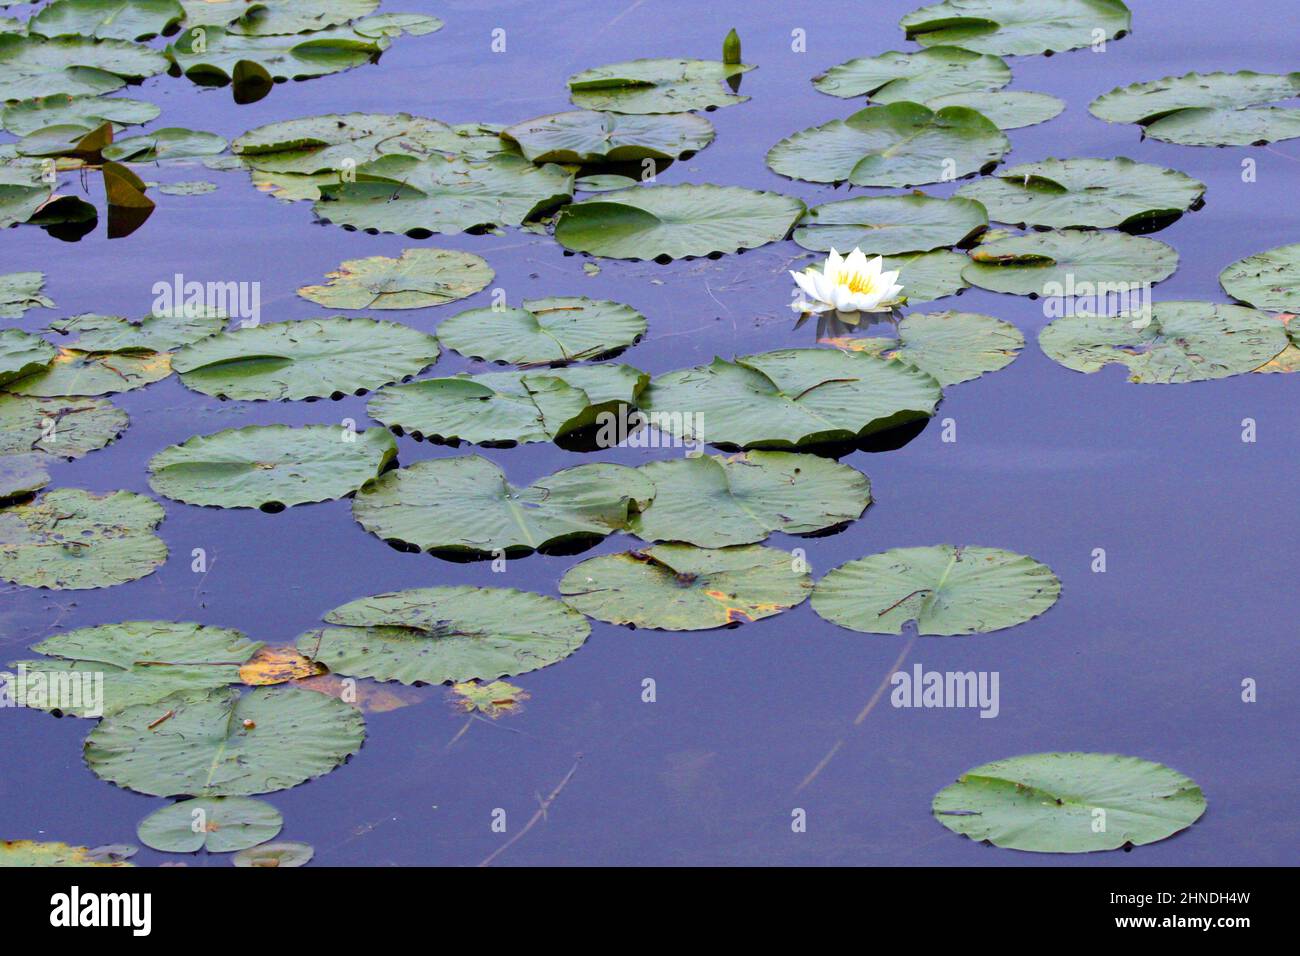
column 847, row 285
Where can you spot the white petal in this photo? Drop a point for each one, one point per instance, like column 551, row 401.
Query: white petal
column 888, row 278
column 806, row 283
column 856, row 263
column 834, row 265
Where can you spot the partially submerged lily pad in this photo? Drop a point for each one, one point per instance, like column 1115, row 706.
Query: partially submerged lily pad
column 224, row 742
column 465, row 507
column 418, row 279
column 172, row 142
column 557, row 329
column 1006, row 109
column 945, row 590
column 23, row 354
column 891, row 224
column 951, row 346
column 76, row 372
column 673, row 222
column 1052, row 263
column 494, row 699
column 1053, row 802
column 437, row 635
column 1017, row 27
column 679, row 587
column 286, row 853
column 1181, row 342
column 714, row 501
column 58, row 427
column 1267, row 280
column 656, row 86
column 70, row 539
column 915, row 77
column 211, row 55
column 43, row 854
column 587, row 136
column 269, row 466
column 215, row 824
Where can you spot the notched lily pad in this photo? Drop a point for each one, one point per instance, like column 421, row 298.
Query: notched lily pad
column 58, row 427
column 215, row 824
column 1005, row 109
column 418, row 279
column 951, row 346
column 887, row 225
column 557, row 329
column 1267, row 280
column 1069, row 262
column 915, row 77
column 656, row 86
column 588, row 136
column 1017, row 27
column 23, row 354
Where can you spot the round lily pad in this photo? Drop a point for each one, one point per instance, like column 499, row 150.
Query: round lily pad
column 1267, row 280
column 437, row 635
column 1181, row 342
column 899, row 144
column 557, row 329
column 60, row 427
column 946, row 590
column 915, row 77
column 282, row 853
column 1069, row 261
column 891, row 224
column 465, row 507
column 215, row 824
column 1005, row 109
column 280, row 17
column 673, row 222
column 32, row 66
column 790, row 398
column 1211, row 127
column 951, row 346
column 225, row 742
column 679, row 587
column 656, row 86
column 153, row 333
column 106, row 19
column 1069, row 802
column 420, row 278
column 73, row 539
column 1017, row 27
column 170, row 143
column 23, row 354
column 211, row 56
column 587, row 136
column 1098, row 193
column 309, row 358
column 269, row 466
column 713, row 501
column 928, row 275
column 80, row 373
column 88, row 112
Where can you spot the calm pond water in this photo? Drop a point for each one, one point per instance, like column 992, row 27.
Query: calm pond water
column 1145, row 659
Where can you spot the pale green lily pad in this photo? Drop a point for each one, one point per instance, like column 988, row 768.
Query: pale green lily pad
column 266, row 466
column 603, row 183
column 194, row 187
column 32, row 66
column 172, row 142
column 215, row 824
column 915, row 77
column 679, row 587
column 20, row 291
column 225, row 742
column 88, row 112
column 586, row 136
column 106, row 19
column 673, row 222
column 75, row 372
column 790, row 398
column 403, row 194
column 154, row 333
column 558, row 329
column 438, row 635
column 952, row 346
column 140, row 662
column 19, row 202
column 1151, row 102
column 1095, row 193
column 397, row 24
column 713, row 501
column 62, row 427
column 23, row 354
column 656, row 86
column 308, row 358
column 213, row 62
column 1182, row 342
column 22, row 474
column 1017, row 27
column 945, row 590
column 899, row 144
column 213, row 13
column 420, row 278
column 283, row 853
column 508, row 407
column 43, row 854
column 73, row 539
column 466, row 507
column 1046, row 263
column 891, row 224
column 1267, row 280
column 1006, row 109
column 1069, row 802
column 927, row 276
column 280, row 17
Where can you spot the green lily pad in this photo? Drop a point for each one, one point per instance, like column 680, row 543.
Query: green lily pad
column 465, row 507
column 194, row 187
column 951, row 346
column 88, row 112
column 308, row 358
column 891, row 224
column 899, row 144
column 23, row 354
column 417, row 197
column 1210, row 127
column 586, row 136
column 265, row 466
column 1005, row 109
column 557, row 329
column 215, row 824
column 20, row 291
column 1046, row 263
column 420, row 278
column 679, row 587
column 928, row 275
column 19, row 202
column 656, row 86
column 60, row 427
column 946, row 590
column 140, row 662
column 36, row 853
column 106, row 19
column 163, row 332
column 279, row 17
column 1069, row 802
column 69, row 539
column 1267, row 280
column 32, row 66
column 75, row 372
column 22, row 474
column 603, row 183
column 213, row 13
column 1182, row 342
column 283, row 853
column 210, row 55
column 506, row 407
column 1017, row 27
column 790, row 398
column 225, row 742
column 397, row 24
column 1097, row 193
column 169, row 143
column 915, row 77
column 437, row 635
column 673, row 222
column 714, row 501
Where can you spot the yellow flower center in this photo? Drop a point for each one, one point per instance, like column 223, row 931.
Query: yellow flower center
column 857, row 282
